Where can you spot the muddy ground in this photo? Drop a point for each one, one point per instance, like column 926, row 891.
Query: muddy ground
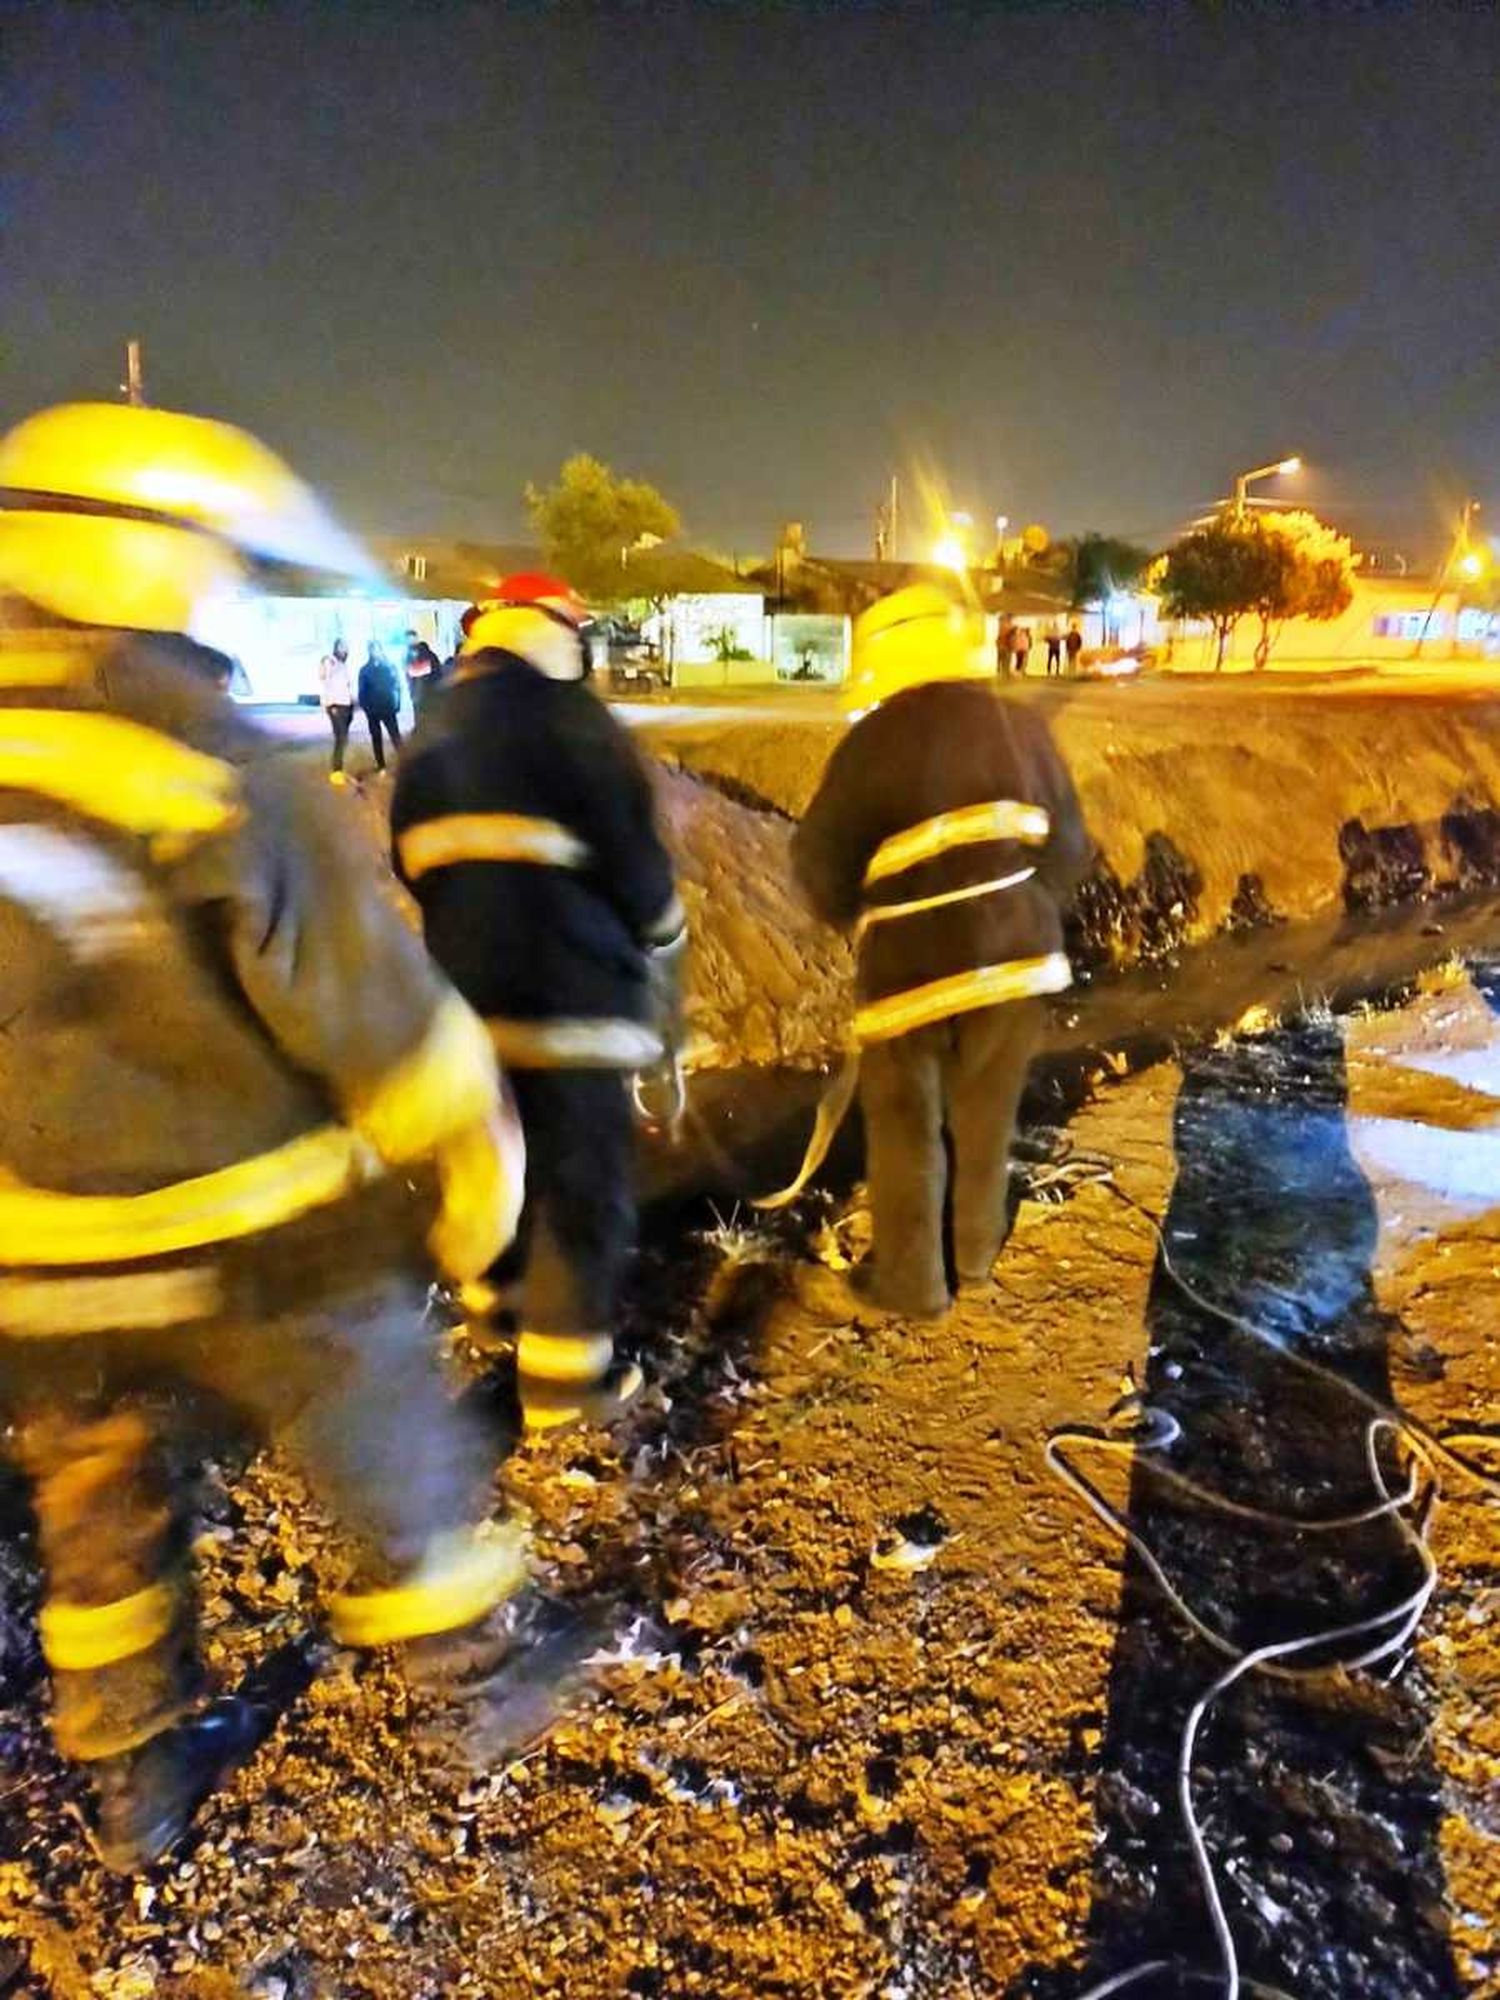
column 877, row 1707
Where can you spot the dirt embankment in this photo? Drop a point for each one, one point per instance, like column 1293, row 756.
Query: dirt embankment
column 769, row 983
column 1222, row 821
column 1227, row 818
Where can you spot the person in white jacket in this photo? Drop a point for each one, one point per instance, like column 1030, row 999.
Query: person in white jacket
column 336, row 692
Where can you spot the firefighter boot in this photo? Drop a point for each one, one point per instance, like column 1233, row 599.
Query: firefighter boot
column 873, row 1288
column 451, row 1614
column 147, row 1797
column 460, row 1665
column 568, row 1379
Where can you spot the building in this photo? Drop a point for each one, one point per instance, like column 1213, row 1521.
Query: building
column 815, row 599
column 1388, row 617
column 279, row 639
column 706, row 622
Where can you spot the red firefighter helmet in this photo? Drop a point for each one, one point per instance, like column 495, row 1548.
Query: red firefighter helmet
column 536, row 589
column 537, row 618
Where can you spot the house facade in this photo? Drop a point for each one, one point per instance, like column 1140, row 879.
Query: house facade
column 1389, row 618
column 706, row 622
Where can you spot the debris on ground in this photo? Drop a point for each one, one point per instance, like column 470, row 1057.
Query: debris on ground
column 829, row 1688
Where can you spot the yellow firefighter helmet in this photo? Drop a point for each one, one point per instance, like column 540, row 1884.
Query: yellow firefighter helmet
column 536, row 616
column 913, row 636
column 112, row 514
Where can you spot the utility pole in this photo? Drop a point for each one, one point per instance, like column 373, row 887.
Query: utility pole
column 893, row 519
column 135, row 374
column 1454, row 557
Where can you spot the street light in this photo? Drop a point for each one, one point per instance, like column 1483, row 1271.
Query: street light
column 1242, row 481
column 951, row 549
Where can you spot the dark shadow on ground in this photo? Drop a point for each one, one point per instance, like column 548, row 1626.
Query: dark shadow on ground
column 1320, row 1801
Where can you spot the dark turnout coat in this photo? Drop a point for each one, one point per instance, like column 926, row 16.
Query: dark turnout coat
column 523, row 823
column 949, row 797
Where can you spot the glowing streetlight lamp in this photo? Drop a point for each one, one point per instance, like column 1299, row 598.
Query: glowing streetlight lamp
column 951, row 549
column 1243, row 479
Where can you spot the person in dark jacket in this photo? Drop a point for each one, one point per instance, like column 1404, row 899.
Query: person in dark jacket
column 380, row 699
column 219, row 1037
column 946, row 836
column 424, row 673
column 523, row 823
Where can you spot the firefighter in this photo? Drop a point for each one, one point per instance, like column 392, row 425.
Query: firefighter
column 946, row 836
column 234, row 1094
column 523, row 824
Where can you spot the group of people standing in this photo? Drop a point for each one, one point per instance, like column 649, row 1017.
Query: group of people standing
column 247, row 1114
column 376, row 692
column 1014, row 640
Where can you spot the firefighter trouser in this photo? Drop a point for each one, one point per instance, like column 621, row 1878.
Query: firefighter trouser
column 565, row 1268
column 102, row 1426
column 954, row 1086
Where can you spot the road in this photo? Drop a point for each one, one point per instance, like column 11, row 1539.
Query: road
column 1167, row 696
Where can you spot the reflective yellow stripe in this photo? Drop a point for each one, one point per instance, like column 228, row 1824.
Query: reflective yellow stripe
column 78, row 1637
column 38, row 1227
column 997, row 819
column 53, row 1308
column 575, row 1044
column 457, row 837
column 462, row 1576
column 960, row 993
column 882, row 913
column 117, row 771
column 446, row 1084
column 48, row 661
column 577, row 1359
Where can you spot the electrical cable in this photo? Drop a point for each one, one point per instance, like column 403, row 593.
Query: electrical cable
column 1154, row 1430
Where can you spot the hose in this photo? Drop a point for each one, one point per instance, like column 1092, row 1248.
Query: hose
column 833, row 1107
column 1389, row 1630
column 664, row 1117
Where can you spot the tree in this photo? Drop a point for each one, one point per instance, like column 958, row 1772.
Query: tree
column 1276, row 566
column 1094, row 567
column 1306, row 571
column 588, row 518
column 1217, row 573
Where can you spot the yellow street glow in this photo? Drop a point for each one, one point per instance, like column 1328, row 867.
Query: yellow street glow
column 1472, row 565
column 1290, row 465
column 949, row 553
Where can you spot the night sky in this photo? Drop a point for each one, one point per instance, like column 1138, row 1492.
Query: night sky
column 1080, row 262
